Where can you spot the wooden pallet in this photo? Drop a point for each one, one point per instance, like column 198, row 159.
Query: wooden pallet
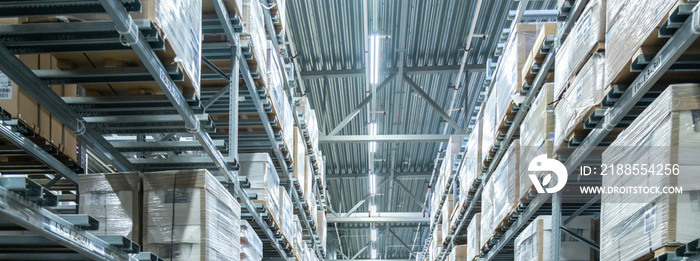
column 538, row 54
column 657, row 252
column 55, row 150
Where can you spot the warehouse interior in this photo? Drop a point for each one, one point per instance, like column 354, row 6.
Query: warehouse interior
column 358, row 130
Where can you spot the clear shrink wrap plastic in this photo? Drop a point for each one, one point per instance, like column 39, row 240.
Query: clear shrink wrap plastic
column 474, row 245
column 632, row 23
column 251, row 245
column 254, row 32
column 488, row 125
column 312, row 127
column 586, row 92
column 263, row 178
column 299, row 153
column 508, row 80
column 664, row 134
column 274, row 78
column 506, row 182
column 536, row 135
column 587, row 34
column 487, row 211
column 112, row 199
column 297, row 243
column 533, row 243
column 189, row 215
column 471, row 169
column 286, row 215
column 181, row 22
column 304, row 109
column 322, row 229
column 445, row 216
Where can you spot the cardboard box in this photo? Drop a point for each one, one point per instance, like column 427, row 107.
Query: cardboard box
column 508, row 78
column 506, row 183
column 115, row 201
column 264, row 180
column 487, row 212
column 583, row 96
column 471, row 169
column 664, row 136
column 536, row 136
column 174, row 198
column 586, row 37
column 474, row 243
column 534, row 242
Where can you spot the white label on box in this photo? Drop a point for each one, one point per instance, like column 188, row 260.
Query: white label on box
column 68, row 233
column 5, row 87
column 650, row 220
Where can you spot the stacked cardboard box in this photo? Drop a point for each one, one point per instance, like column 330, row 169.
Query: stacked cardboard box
column 322, row 230
column 297, row 244
column 506, row 182
column 19, row 105
column 254, row 34
column 115, row 201
column 488, row 127
column 508, row 79
column 536, row 136
column 579, row 100
column 662, row 142
column 251, row 245
column 471, row 169
column 459, row 253
column 632, row 27
column 486, row 228
column 300, row 154
column 263, row 178
column 286, row 214
column 189, row 215
column 473, row 244
column 586, row 37
column 533, row 243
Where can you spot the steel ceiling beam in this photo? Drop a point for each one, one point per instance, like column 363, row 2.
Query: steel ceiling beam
column 410, row 195
column 359, row 107
column 400, row 241
column 381, row 217
column 433, row 104
column 354, row 208
column 407, row 70
column 383, row 138
column 399, row 175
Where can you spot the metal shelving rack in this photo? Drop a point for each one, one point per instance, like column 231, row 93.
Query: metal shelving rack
column 684, row 36
column 139, row 36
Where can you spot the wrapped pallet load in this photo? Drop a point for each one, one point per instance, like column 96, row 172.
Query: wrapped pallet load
column 632, row 27
column 536, row 136
column 579, row 101
column 322, row 230
column 508, row 79
column 114, row 201
column 251, row 245
column 473, row 244
column 488, row 127
column 254, row 34
column 506, row 180
column 189, row 215
column 487, row 228
column 586, row 37
column 471, row 169
column 286, row 215
column 534, row 242
column 300, row 156
column 663, row 142
column 445, row 216
column 264, row 181
column 459, row 253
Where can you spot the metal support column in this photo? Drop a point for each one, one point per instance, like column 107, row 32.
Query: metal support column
column 555, row 244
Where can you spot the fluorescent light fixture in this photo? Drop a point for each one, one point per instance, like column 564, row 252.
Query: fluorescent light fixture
column 372, row 128
column 372, row 209
column 374, row 58
column 373, row 146
column 372, row 184
column 374, row 253
column 374, row 235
